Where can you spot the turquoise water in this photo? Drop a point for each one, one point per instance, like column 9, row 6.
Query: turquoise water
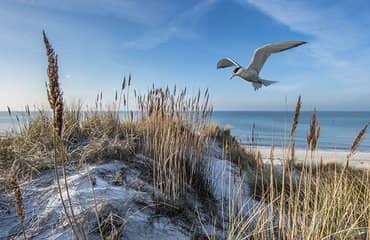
column 338, row 129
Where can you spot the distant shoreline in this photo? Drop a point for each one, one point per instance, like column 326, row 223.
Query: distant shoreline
column 361, row 159
column 326, row 149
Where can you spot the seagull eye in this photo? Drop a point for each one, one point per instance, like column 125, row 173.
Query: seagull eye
column 235, row 70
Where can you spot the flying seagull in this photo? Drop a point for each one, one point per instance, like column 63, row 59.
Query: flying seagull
column 251, row 73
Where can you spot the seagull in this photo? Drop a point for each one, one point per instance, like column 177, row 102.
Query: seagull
column 251, row 73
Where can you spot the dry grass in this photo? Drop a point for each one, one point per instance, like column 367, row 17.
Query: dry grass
column 233, row 151
column 170, row 127
column 310, row 201
column 332, row 206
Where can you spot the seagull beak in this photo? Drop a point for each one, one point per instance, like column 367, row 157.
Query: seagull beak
column 232, row 76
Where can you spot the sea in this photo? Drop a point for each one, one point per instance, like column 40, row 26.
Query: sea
column 338, row 129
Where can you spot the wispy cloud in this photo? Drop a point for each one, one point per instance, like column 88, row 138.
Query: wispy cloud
column 152, row 22
column 141, row 11
column 179, row 27
column 335, row 36
column 158, row 21
column 324, row 24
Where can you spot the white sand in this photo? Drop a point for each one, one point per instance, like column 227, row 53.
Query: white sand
column 359, row 159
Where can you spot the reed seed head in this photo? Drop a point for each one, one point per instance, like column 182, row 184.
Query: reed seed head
column 357, row 141
column 54, row 92
column 296, row 116
column 18, row 198
column 9, row 111
column 314, row 132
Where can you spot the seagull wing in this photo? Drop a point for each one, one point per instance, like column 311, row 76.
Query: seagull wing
column 227, row 62
column 261, row 54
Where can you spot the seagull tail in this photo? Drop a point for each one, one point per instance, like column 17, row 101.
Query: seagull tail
column 267, row 82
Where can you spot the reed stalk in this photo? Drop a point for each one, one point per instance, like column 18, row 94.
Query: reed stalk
column 55, row 98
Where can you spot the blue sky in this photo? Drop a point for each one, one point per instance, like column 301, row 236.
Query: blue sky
column 180, row 42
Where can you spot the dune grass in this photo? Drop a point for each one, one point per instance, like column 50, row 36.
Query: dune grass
column 308, row 200
column 322, row 202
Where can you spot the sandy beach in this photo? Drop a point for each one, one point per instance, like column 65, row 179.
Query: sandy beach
column 358, row 160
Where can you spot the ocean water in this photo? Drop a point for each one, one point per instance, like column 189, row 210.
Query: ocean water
column 337, row 129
